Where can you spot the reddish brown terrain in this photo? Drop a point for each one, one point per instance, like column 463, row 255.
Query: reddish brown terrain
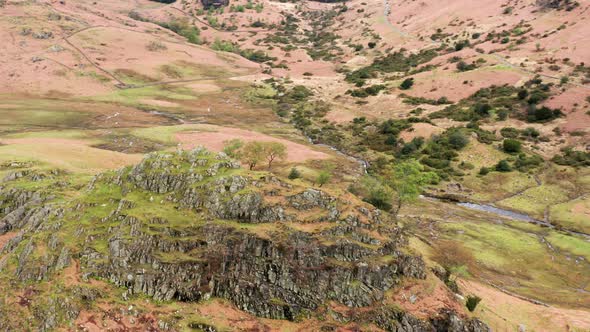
column 350, row 90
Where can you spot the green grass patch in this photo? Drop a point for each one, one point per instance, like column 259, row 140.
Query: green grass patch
column 189, row 70
column 574, row 214
column 574, row 245
column 489, row 243
column 63, row 134
column 516, row 258
column 22, row 114
column 496, row 185
column 134, row 97
column 535, row 200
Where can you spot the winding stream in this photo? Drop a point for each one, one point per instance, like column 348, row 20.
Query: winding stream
column 517, row 216
column 504, row 213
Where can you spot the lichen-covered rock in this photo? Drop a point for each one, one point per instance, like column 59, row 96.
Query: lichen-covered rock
column 272, row 271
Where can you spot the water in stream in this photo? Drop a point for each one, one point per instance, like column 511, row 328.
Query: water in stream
column 517, row 216
column 504, row 213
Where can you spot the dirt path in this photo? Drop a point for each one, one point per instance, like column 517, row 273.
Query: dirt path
column 386, row 12
column 120, row 84
column 106, row 72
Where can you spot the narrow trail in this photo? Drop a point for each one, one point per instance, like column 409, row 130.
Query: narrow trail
column 120, row 84
column 386, row 12
column 106, row 72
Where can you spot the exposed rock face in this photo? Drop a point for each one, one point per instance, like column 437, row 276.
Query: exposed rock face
column 43, row 35
column 193, row 225
column 393, row 320
column 558, row 4
column 214, row 3
column 278, row 274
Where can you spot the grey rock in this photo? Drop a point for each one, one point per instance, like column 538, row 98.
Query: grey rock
column 42, row 35
column 56, row 48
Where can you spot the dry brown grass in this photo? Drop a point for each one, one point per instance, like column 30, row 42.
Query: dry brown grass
column 452, row 254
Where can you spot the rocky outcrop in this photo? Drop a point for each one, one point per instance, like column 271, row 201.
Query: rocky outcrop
column 192, row 225
column 394, row 320
column 297, row 271
column 567, row 5
column 19, row 206
column 272, row 271
column 214, row 3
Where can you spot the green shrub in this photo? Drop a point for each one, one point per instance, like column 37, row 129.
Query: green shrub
column 225, row 46
column 368, row 91
column 258, row 24
column 464, row 66
column 461, row 45
column 375, row 89
column 391, row 140
column 530, row 132
column 407, row 84
column 380, row 197
column 509, row 132
column 256, row 55
column 393, row 62
column 413, row 146
column 457, row 140
column 466, row 165
column 543, row 114
column 294, row 174
column 511, row 146
column 410, row 100
column 183, row 28
column 323, row 177
column 472, row 302
column 564, row 80
column 503, row 166
column 373, row 191
column 525, row 163
column 482, row 109
column 570, row 157
column 299, row 93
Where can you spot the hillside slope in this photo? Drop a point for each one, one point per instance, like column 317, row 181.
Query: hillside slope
column 429, row 154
